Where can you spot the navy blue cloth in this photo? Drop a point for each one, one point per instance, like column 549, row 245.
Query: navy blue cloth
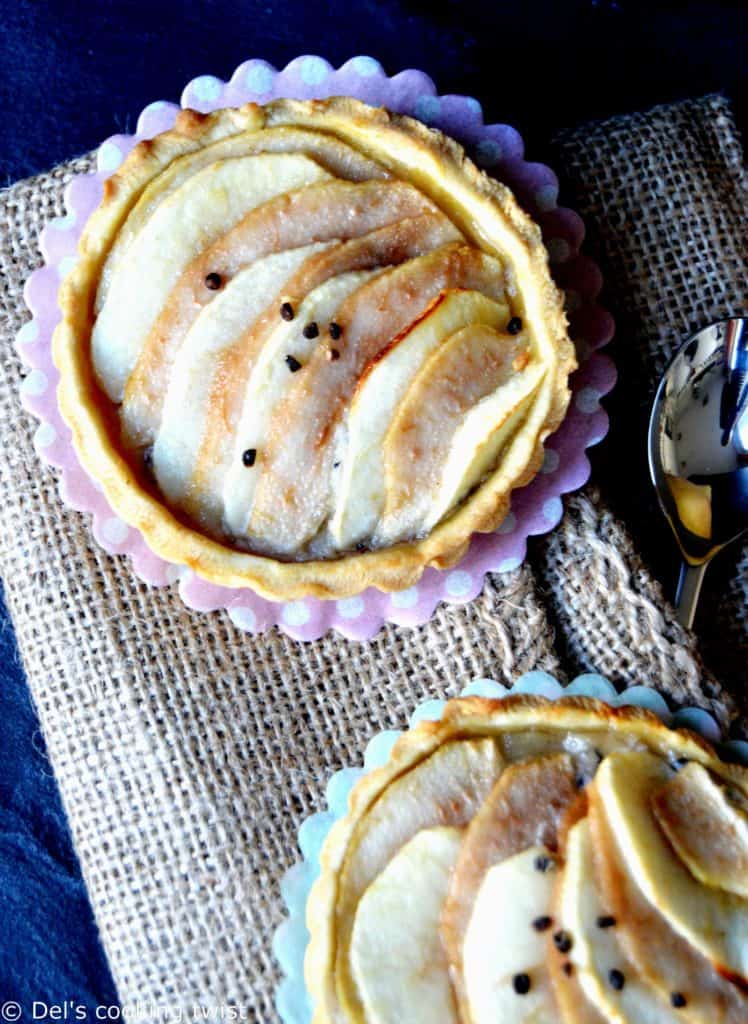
column 49, row 946
column 73, row 73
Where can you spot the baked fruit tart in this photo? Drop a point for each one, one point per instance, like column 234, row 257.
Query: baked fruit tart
column 310, row 347
column 526, row 860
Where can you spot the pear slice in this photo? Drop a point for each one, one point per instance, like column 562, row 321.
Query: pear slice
column 706, row 830
column 207, row 205
column 573, row 1005
column 268, row 384
column 713, row 921
column 429, row 425
column 334, row 156
column 502, row 944
column 596, row 954
column 659, row 953
column 524, row 808
column 230, row 360
column 187, row 403
column 446, row 788
column 383, row 385
column 327, row 212
column 294, row 500
column 486, row 431
column 397, row 960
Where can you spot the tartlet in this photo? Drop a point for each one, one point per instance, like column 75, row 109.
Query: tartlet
column 309, row 347
column 533, row 860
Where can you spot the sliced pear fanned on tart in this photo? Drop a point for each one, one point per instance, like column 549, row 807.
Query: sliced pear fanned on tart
column 713, row 921
column 660, row 954
column 504, row 972
column 379, row 393
column 522, row 811
column 265, row 416
column 294, row 498
column 397, row 924
column 596, row 955
column 333, row 213
column 194, row 216
column 482, row 876
column 444, row 789
column 339, row 160
column 706, row 823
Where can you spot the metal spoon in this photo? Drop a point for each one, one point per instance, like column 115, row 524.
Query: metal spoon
column 698, row 449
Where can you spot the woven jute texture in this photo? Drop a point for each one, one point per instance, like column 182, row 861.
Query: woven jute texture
column 664, row 196
column 187, row 753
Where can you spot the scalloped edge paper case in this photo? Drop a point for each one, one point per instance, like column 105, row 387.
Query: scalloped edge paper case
column 292, row 937
column 535, row 509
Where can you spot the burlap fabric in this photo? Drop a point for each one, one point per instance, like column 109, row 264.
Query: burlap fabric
column 665, row 196
column 187, row 753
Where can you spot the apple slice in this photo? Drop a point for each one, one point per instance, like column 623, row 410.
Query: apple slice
column 525, row 808
column 397, row 961
column 335, row 156
column 206, row 206
column 360, row 494
column 331, row 211
column 504, row 957
column 471, row 365
column 707, row 831
column 659, row 953
column 294, row 499
column 446, row 788
column 713, row 921
column 606, row 976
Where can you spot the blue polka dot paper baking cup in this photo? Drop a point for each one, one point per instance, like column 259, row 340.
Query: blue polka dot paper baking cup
column 291, row 938
column 535, row 509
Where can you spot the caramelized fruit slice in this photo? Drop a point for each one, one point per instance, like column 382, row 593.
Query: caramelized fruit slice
column 504, row 958
column 446, row 788
column 486, row 432
column 187, row 403
column 706, row 829
column 713, row 921
column 599, row 962
column 397, row 959
column 206, row 206
column 471, row 365
column 661, row 955
column 378, row 398
column 524, row 808
column 286, row 351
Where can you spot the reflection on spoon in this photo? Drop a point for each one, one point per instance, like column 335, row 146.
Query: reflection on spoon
column 698, row 449
column 694, row 505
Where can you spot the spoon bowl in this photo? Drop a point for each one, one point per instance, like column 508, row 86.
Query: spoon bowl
column 698, row 449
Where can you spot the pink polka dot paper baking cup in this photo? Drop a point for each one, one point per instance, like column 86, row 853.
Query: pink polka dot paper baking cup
column 535, row 509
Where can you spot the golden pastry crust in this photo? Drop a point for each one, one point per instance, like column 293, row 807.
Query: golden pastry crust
column 483, row 209
column 467, row 718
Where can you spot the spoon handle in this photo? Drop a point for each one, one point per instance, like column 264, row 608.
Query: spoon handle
column 687, row 593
